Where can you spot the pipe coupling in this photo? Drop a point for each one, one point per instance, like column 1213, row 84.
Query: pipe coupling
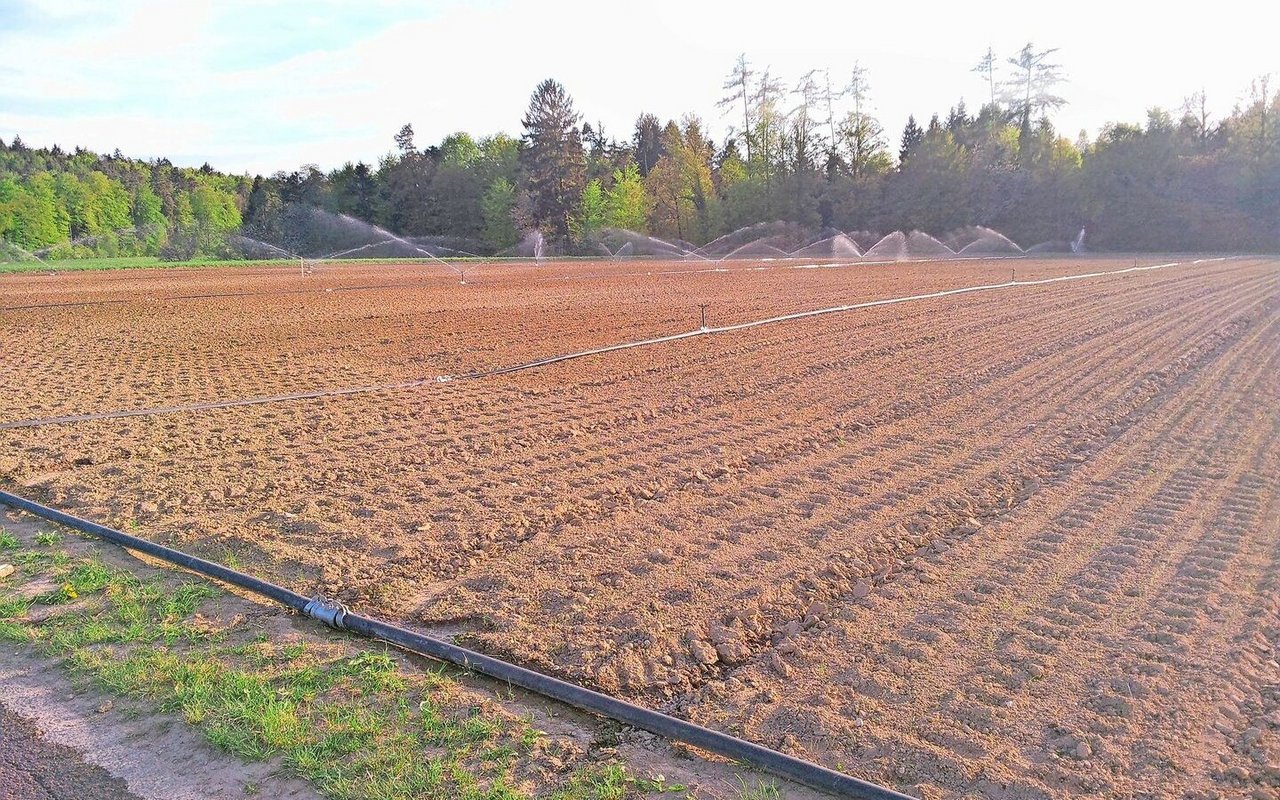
column 330, row 612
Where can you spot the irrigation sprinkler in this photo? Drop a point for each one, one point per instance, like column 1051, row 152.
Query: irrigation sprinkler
column 702, row 308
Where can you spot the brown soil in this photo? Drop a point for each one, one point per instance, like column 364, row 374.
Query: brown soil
column 1020, row 543
column 32, row 768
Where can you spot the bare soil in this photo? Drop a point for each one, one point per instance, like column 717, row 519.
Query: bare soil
column 32, row 768
column 1012, row 544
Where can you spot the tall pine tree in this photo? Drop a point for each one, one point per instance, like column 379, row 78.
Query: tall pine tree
column 912, row 135
column 554, row 160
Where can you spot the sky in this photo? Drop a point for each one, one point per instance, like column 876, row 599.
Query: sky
column 258, row 87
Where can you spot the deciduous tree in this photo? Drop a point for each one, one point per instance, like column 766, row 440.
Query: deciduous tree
column 627, row 204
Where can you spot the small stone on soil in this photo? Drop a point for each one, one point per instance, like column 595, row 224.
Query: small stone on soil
column 779, row 665
column 704, row 653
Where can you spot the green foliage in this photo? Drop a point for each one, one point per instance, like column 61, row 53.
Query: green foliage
column 1170, row 183
column 459, row 149
column 60, row 206
column 147, row 208
column 626, row 203
column 680, row 184
column 592, row 212
column 554, row 159
column 34, row 217
column 758, row 790
column 606, row 783
column 496, row 207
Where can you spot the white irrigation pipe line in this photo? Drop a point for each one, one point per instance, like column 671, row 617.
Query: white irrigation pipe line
column 815, row 313
column 542, row 362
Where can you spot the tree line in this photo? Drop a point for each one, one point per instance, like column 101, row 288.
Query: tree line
column 79, row 204
column 810, row 152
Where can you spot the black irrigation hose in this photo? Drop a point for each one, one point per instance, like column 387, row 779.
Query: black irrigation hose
column 337, row 616
column 226, row 574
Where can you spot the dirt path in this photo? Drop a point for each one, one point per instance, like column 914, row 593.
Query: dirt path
column 32, row 768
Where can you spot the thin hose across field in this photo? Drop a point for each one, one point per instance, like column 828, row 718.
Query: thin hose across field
column 542, row 362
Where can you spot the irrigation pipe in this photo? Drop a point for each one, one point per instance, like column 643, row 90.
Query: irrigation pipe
column 707, row 331
column 338, row 616
column 542, row 362
column 381, row 286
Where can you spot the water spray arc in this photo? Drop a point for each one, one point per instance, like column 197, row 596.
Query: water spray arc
column 19, row 254
column 317, row 235
column 391, row 237
column 249, row 245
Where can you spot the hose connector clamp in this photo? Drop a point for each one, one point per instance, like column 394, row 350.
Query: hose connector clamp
column 330, row 612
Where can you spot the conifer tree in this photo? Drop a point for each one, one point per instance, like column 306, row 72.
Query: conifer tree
column 555, row 162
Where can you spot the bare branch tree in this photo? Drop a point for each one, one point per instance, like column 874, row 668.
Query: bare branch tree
column 861, row 132
column 829, row 98
column 738, row 84
column 1260, row 98
column 769, row 128
column 1029, row 90
column 987, row 68
column 809, row 93
column 1195, row 116
column 858, row 88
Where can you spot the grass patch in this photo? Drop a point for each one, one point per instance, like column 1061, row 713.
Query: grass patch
column 760, row 790
column 128, row 262
column 152, row 262
column 605, row 783
column 349, row 719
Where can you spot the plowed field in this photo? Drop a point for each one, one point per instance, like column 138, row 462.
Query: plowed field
column 1022, row 542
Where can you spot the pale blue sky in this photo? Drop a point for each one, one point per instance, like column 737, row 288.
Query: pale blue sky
column 264, row 86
